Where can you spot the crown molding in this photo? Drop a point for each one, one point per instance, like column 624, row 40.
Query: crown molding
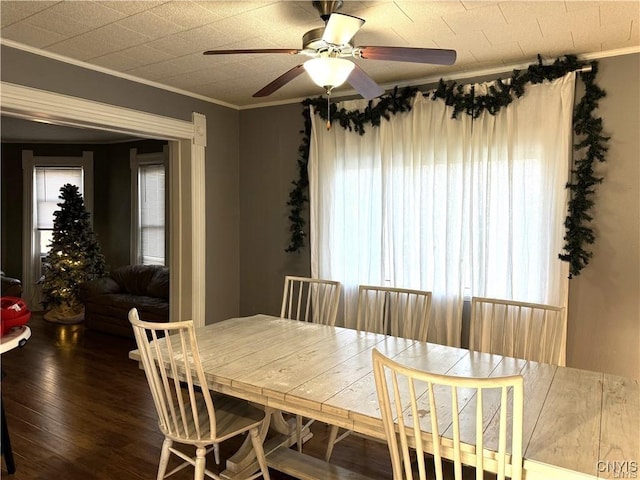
column 496, row 71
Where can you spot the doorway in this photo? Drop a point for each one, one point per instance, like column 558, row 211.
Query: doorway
column 186, row 173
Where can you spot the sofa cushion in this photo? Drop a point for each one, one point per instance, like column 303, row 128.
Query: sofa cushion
column 135, row 279
column 98, row 286
column 159, row 284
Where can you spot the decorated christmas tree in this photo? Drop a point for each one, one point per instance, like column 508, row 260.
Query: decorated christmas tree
column 74, row 257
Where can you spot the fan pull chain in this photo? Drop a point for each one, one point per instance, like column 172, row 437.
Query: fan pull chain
column 328, row 110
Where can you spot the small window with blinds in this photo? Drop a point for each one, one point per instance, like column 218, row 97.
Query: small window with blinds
column 48, row 181
column 148, row 207
column 151, row 207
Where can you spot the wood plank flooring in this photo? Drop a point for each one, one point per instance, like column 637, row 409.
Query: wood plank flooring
column 78, row 409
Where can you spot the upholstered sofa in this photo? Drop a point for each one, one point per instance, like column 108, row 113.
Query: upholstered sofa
column 11, row 287
column 107, row 300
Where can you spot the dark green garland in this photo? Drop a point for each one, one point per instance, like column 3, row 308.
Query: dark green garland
column 585, row 125
column 593, row 147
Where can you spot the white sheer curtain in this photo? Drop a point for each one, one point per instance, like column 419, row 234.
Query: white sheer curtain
column 455, row 207
column 345, row 209
column 519, row 169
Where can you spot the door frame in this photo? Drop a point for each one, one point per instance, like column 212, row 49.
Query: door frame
column 187, row 142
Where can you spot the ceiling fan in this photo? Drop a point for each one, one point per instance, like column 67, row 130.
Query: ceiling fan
column 329, row 47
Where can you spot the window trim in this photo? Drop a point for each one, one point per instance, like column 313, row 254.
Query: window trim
column 135, row 162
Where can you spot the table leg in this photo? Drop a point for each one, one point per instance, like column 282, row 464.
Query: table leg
column 245, row 455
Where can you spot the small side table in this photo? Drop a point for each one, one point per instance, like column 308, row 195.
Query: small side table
column 17, row 337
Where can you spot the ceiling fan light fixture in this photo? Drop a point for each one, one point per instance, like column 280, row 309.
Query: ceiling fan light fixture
column 329, row 46
column 328, row 72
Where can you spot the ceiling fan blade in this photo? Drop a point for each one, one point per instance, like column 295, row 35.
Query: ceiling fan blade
column 364, row 84
column 280, row 81
column 252, row 50
column 341, row 28
column 407, row 54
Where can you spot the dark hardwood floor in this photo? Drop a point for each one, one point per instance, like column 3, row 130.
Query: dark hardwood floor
column 78, row 409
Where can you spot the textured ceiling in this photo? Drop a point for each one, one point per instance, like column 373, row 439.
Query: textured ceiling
column 162, row 42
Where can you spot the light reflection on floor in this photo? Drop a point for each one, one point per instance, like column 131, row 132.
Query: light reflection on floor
column 68, row 336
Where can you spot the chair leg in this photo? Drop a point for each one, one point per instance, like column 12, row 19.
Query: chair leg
column 164, row 458
column 331, row 442
column 200, row 463
column 216, row 452
column 259, row 449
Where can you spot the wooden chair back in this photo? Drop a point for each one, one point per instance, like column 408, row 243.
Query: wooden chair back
column 530, row 331
column 310, row 299
column 394, row 311
column 167, row 363
column 421, row 414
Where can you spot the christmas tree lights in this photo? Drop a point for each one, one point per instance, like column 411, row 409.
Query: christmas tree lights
column 74, row 257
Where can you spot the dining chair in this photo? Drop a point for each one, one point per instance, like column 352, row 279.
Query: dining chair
column 530, row 331
column 399, row 312
column 421, row 415
column 188, row 413
column 310, row 300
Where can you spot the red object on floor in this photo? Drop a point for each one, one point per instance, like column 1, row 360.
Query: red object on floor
column 13, row 313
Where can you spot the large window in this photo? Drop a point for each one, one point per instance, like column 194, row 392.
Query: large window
column 457, row 207
column 149, row 208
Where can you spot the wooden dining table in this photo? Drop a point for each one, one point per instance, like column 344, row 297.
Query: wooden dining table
column 578, row 424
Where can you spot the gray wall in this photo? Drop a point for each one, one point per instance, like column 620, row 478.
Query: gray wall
column 604, row 302
column 268, row 152
column 222, row 155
